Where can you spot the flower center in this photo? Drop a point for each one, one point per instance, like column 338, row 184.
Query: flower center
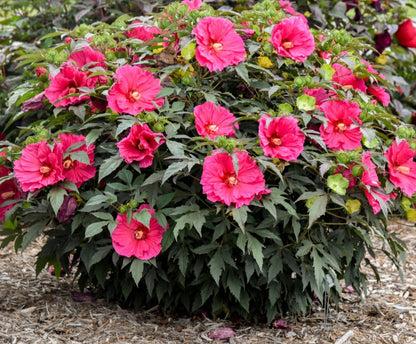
column 135, row 95
column 232, row 180
column 212, row 128
column 45, row 169
column 347, row 87
column 67, row 163
column 217, row 46
column 288, row 45
column 341, row 126
column 403, row 169
column 141, row 146
column 72, row 90
column 7, row 195
column 276, row 141
column 140, row 233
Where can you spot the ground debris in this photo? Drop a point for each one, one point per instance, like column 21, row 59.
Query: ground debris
column 42, row 310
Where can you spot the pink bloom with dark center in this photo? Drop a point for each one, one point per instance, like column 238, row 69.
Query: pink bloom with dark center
column 135, row 91
column 346, row 78
column 291, row 38
column 74, row 170
column 67, row 82
column 140, row 145
column 142, row 31
column 222, row 183
column 380, row 93
column 136, row 239
column 281, row 137
column 8, row 191
column 38, row 166
column 342, row 131
column 192, row 4
column 218, row 45
column 402, row 168
column 214, row 120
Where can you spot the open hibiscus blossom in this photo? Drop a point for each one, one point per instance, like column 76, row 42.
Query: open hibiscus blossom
column 280, row 137
column 74, row 170
column 218, row 45
column 135, row 90
column 142, row 31
column 342, row 131
column 65, row 83
column 8, row 191
column 38, row 166
column 140, row 145
column 214, row 120
column 134, row 238
column 346, row 78
column 222, row 183
column 291, row 38
column 402, row 168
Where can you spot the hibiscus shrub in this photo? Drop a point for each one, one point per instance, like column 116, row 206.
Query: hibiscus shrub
column 239, row 163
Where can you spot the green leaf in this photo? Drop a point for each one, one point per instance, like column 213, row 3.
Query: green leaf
column 318, row 267
column 304, row 249
column 240, row 216
column 317, row 209
column 183, row 258
column 216, row 266
column 234, row 284
column 103, row 216
column 153, row 178
column 80, row 156
column 95, row 228
column 174, row 169
column 109, row 165
column 256, row 248
column 176, row 148
column 92, row 136
column 143, row 216
column 194, row 219
column 327, row 72
column 99, row 254
column 276, row 266
column 69, row 185
column 242, row 72
column 32, row 232
column 165, row 91
column 311, row 194
column 204, row 249
column 56, row 197
column 136, row 270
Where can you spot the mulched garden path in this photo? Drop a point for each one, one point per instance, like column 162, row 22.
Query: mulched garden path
column 42, row 310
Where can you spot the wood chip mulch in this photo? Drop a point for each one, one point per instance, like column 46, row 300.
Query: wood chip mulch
column 42, row 310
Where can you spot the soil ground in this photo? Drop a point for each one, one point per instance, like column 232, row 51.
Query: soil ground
column 43, row 310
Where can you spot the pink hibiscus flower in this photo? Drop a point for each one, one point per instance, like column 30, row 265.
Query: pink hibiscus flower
column 192, row 4
column 375, row 202
column 221, row 183
column 74, row 170
column 380, row 93
column 8, row 191
column 291, row 38
column 346, row 78
column 88, row 58
column 67, row 82
column 135, row 90
column 214, row 120
column 136, row 239
column 218, row 45
column 38, row 166
column 140, row 145
column 402, row 168
column 287, row 7
column 342, row 131
column 142, row 31
column 280, row 137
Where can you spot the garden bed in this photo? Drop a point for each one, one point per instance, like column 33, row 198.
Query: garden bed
column 43, row 310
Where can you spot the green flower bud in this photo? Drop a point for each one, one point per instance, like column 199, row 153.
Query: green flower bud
column 122, row 209
column 150, row 117
column 357, row 171
column 343, row 157
column 133, row 204
column 299, row 81
column 31, row 139
column 159, row 127
column 353, row 205
column 338, row 184
column 336, row 48
column 308, row 80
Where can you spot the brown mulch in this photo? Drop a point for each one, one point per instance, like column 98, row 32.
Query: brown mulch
column 42, row 310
